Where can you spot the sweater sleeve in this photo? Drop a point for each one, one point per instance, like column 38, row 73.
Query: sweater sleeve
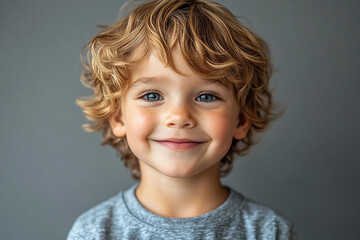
column 77, row 231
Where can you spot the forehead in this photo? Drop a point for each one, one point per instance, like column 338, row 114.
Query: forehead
column 162, row 80
column 153, row 70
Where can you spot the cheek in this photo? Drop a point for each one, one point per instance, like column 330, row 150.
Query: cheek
column 221, row 127
column 140, row 122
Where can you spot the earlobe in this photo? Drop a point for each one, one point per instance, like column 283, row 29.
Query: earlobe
column 242, row 129
column 117, row 125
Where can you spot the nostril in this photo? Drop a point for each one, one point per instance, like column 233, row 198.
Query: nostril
column 179, row 118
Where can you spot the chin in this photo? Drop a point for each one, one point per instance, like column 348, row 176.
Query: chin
column 180, row 172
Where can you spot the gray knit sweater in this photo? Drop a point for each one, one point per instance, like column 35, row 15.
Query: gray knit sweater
column 122, row 217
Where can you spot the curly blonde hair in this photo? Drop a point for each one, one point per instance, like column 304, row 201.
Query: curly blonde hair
column 214, row 45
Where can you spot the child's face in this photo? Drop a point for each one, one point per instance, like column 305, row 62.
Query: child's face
column 162, row 106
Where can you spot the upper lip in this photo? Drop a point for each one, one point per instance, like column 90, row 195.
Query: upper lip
column 178, row 140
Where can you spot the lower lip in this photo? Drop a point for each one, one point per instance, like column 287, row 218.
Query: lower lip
column 175, row 145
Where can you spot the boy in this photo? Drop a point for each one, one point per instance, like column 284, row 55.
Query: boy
column 179, row 87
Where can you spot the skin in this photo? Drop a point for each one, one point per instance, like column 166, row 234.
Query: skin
column 178, row 182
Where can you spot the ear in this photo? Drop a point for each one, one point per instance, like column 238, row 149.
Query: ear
column 117, row 124
column 243, row 126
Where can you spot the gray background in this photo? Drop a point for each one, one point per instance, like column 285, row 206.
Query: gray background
column 306, row 165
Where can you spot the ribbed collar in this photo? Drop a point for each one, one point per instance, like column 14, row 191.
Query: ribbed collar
column 224, row 212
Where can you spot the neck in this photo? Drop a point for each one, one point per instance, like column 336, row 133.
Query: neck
column 181, row 197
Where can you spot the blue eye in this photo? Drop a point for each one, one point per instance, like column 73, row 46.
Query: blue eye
column 152, row 96
column 207, row 97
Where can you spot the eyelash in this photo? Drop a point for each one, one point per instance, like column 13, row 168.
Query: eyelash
column 212, row 94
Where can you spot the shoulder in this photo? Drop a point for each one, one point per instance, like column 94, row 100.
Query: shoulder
column 96, row 220
column 263, row 222
column 254, row 211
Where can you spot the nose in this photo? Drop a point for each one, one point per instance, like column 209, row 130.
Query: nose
column 180, row 116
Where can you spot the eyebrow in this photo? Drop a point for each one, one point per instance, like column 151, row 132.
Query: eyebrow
column 157, row 80
column 145, row 80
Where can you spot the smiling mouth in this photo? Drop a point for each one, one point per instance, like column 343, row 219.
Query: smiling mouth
column 177, row 145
